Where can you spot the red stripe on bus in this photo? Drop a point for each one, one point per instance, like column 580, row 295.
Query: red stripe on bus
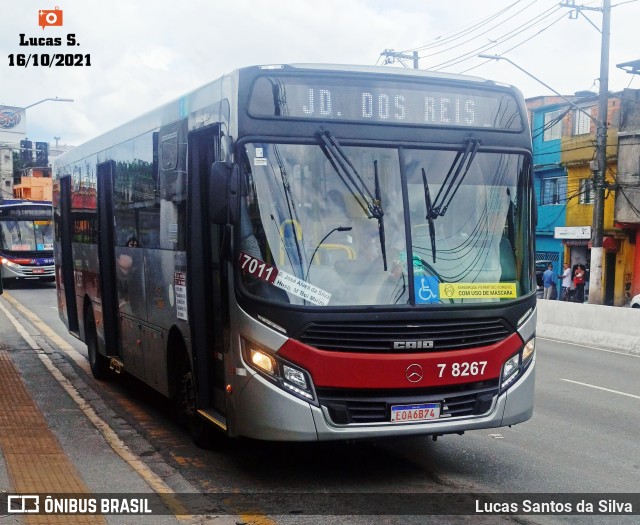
column 353, row 370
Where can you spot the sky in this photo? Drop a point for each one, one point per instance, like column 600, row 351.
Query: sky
column 146, row 52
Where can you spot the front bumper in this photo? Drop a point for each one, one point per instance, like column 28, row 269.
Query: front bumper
column 28, row 272
column 265, row 411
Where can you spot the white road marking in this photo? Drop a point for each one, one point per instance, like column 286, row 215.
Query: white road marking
column 582, row 345
column 65, row 347
column 600, row 388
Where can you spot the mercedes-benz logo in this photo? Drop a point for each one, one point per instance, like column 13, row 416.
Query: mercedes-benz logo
column 414, row 373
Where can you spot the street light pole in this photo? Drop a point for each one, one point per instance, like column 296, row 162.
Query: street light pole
column 56, row 99
column 572, row 104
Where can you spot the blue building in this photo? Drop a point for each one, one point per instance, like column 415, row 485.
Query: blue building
column 547, row 114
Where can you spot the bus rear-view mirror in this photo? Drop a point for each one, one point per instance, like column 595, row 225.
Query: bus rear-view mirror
column 223, row 192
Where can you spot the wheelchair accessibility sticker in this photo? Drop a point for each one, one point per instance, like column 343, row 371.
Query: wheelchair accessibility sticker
column 426, row 289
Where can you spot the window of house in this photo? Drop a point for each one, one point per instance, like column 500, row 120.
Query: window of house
column 582, row 121
column 553, row 190
column 552, row 125
column 586, row 191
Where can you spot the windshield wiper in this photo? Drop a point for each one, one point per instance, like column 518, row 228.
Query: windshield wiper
column 349, row 175
column 429, row 217
column 457, row 172
column 383, row 245
column 370, row 204
column 291, row 206
column 455, row 176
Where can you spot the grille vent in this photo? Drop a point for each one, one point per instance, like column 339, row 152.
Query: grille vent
column 366, row 407
column 379, row 336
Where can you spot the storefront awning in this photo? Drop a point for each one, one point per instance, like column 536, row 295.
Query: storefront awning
column 577, row 242
column 608, row 243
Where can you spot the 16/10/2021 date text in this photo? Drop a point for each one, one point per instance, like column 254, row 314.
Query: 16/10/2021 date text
column 49, row 60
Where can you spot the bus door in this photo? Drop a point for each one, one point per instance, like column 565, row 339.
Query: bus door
column 106, row 258
column 65, row 264
column 206, row 287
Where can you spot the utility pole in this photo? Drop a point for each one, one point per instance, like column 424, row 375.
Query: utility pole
column 596, row 291
column 596, row 288
column 391, row 56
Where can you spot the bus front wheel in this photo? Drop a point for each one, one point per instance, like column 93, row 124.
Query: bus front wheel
column 201, row 432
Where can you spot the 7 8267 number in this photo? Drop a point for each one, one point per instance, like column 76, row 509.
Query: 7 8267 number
column 464, row 369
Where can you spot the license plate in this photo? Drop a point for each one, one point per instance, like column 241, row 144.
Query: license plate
column 38, row 270
column 411, row 413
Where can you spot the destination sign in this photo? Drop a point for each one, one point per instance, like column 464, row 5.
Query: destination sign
column 38, row 212
column 398, row 102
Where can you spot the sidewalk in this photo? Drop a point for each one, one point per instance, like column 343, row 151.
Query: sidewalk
column 34, row 461
column 51, row 444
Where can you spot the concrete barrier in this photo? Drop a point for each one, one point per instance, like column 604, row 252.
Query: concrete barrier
column 610, row 327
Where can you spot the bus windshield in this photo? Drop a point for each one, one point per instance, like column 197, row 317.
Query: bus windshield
column 357, row 231
column 21, row 235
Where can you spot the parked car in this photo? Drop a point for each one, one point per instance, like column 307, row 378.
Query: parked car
column 541, row 267
column 635, row 302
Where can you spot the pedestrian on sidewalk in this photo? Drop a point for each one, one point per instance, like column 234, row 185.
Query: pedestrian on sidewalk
column 566, row 282
column 548, row 281
column 578, row 280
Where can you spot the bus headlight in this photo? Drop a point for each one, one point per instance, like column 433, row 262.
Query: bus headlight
column 510, row 370
column 262, row 361
column 527, row 351
column 294, row 376
column 9, row 264
column 514, row 367
column 286, row 375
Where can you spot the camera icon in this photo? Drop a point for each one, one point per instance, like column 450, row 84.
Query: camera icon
column 50, row 17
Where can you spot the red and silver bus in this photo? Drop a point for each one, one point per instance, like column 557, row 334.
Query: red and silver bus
column 26, row 241
column 309, row 252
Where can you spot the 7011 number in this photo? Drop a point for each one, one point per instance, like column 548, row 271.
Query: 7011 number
column 258, row 268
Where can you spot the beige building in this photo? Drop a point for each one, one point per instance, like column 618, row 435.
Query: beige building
column 35, row 185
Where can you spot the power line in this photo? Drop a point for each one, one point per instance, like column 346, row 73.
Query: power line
column 521, row 43
column 438, row 41
column 515, row 32
column 485, row 32
column 469, row 34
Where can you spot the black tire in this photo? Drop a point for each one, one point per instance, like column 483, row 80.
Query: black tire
column 201, row 432
column 99, row 364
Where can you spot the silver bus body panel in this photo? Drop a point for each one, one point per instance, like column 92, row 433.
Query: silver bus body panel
column 264, row 411
column 519, row 402
column 148, row 311
column 527, row 327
